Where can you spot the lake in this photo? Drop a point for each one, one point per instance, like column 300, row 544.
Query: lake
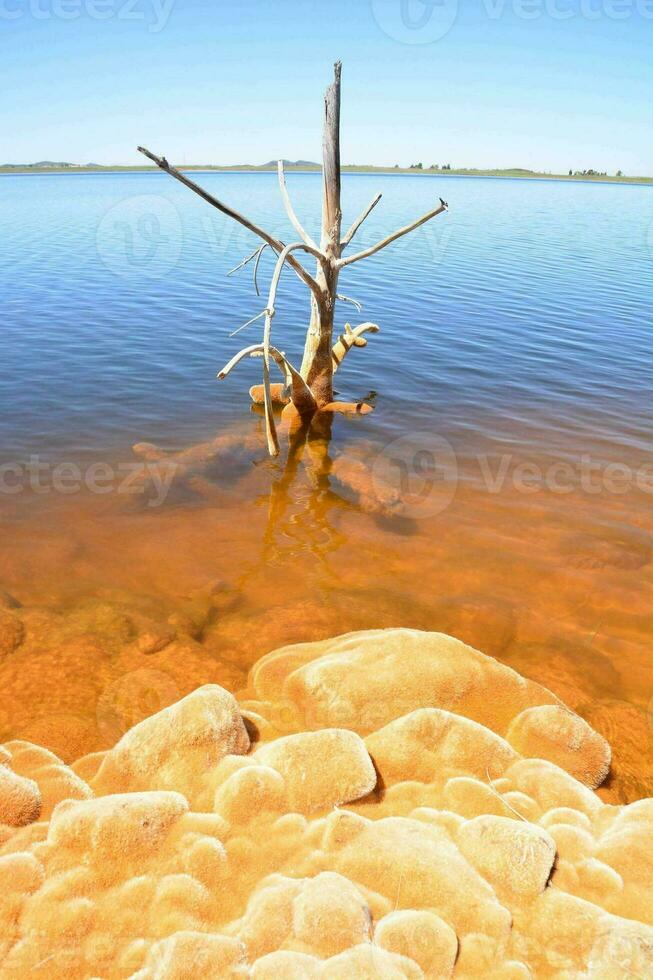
column 500, row 491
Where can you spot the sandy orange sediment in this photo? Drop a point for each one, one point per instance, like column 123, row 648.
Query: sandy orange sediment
column 115, row 609
column 389, row 803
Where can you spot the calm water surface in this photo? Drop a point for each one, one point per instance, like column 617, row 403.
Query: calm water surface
column 501, row 490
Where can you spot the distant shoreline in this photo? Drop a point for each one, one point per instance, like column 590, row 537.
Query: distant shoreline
column 245, row 168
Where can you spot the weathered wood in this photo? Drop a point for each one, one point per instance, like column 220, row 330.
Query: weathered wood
column 331, row 211
column 256, row 265
column 277, row 245
column 348, row 408
column 317, row 367
column 290, row 211
column 348, row 299
column 300, row 392
column 279, row 392
column 311, row 388
column 350, row 338
column 359, row 221
column 284, row 256
column 247, row 323
column 394, row 236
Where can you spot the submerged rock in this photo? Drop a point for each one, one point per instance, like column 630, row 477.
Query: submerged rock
column 12, row 632
column 321, row 769
column 512, row 855
column 175, row 748
column 422, row 936
column 553, row 732
column 409, row 808
column 20, row 799
column 363, row 681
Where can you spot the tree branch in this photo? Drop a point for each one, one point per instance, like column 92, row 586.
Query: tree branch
column 284, row 255
column 331, row 214
column 300, row 393
column 359, row 220
column 350, row 338
column 247, row 259
column 277, row 245
column 256, row 265
column 294, row 220
column 257, row 253
column 247, row 323
column 348, row 299
column 391, row 238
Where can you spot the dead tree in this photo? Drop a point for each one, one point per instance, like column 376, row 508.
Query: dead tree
column 310, row 389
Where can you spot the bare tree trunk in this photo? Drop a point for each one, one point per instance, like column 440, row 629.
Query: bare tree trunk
column 317, row 364
column 311, row 389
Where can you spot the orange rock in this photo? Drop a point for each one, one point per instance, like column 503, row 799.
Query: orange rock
column 422, row 936
column 20, row 799
column 321, row 769
column 232, row 860
column 176, row 747
column 513, row 855
column 553, row 732
column 330, row 915
column 194, row 954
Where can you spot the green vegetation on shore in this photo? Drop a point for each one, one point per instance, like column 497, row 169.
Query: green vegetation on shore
column 306, row 166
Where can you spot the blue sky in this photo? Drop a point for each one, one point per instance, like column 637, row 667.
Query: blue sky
column 548, row 84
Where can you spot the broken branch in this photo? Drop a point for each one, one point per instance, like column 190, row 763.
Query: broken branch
column 274, row 243
column 350, row 338
column 359, row 220
column 256, row 265
column 251, row 320
column 284, row 255
column 391, row 238
column 257, row 253
column 294, row 220
column 348, row 299
column 249, row 258
column 301, row 394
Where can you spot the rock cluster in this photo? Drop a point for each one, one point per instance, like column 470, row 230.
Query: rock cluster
column 385, row 804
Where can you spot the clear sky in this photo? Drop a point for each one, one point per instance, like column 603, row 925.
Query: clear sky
column 544, row 84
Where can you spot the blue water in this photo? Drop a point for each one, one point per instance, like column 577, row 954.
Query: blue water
column 526, row 308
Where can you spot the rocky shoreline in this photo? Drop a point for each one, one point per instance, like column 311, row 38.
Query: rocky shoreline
column 389, row 803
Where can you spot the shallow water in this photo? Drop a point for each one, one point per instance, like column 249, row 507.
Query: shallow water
column 501, row 491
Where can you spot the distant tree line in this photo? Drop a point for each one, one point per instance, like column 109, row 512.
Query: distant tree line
column 420, row 166
column 572, row 173
column 593, row 173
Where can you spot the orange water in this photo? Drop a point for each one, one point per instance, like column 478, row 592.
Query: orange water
column 555, row 584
